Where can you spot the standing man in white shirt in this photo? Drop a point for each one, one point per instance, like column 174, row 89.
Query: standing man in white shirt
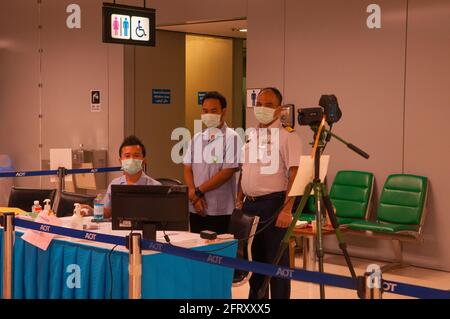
column 265, row 183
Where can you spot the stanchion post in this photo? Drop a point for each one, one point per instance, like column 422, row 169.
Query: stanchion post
column 370, row 286
column 61, row 184
column 8, row 245
column 134, row 266
column 61, row 179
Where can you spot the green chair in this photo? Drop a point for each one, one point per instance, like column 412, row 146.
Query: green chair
column 400, row 215
column 350, row 193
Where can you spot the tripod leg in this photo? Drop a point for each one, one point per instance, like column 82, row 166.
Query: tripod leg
column 319, row 238
column 285, row 242
column 342, row 245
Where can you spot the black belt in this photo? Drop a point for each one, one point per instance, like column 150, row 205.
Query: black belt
column 276, row 195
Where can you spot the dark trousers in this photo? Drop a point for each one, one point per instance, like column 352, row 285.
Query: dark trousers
column 218, row 224
column 265, row 246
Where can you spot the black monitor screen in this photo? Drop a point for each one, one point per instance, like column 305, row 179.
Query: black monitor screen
column 128, row 25
column 149, row 208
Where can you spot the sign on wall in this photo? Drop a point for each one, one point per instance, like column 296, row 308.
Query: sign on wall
column 161, row 96
column 200, row 96
column 128, row 25
column 95, row 101
column 251, row 97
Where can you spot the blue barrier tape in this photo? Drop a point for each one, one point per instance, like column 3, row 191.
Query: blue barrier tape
column 69, row 232
column 414, row 291
column 29, row 173
column 93, row 170
column 66, row 171
column 256, row 267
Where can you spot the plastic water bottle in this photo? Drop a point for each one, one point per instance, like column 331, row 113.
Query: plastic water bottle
column 98, row 208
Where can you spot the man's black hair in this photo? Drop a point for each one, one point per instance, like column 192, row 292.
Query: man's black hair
column 274, row 91
column 216, row 95
column 129, row 141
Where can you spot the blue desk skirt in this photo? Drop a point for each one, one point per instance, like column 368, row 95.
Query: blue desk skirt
column 45, row 274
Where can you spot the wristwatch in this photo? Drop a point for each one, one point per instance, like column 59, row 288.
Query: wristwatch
column 199, row 193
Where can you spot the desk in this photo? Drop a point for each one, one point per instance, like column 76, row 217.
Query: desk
column 44, row 274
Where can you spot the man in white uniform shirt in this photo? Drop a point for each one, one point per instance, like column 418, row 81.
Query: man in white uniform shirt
column 267, row 177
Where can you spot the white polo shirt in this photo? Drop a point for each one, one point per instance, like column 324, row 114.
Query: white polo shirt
column 265, row 164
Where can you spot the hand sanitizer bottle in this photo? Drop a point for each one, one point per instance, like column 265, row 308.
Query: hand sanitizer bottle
column 36, row 208
column 77, row 218
column 47, row 207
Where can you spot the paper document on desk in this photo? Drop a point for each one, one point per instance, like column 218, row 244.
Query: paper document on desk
column 40, row 239
column 305, row 173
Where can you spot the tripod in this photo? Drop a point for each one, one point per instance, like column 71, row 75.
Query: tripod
column 321, row 197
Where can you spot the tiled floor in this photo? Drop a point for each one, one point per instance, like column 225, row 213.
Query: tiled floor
column 335, row 264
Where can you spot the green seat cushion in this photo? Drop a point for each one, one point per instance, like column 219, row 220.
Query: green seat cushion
column 380, row 227
column 345, row 220
column 402, row 199
column 341, row 221
column 350, row 193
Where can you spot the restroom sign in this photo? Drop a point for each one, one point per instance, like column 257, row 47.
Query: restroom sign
column 128, row 25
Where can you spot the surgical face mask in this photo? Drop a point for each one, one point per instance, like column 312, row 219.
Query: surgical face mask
column 132, row 165
column 211, row 120
column 264, row 114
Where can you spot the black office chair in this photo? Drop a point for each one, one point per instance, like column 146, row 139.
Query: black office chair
column 23, row 198
column 169, row 181
column 243, row 226
column 67, row 201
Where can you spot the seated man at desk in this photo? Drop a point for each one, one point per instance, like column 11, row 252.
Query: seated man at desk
column 132, row 159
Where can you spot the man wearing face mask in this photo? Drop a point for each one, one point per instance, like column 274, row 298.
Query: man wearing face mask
column 263, row 192
column 210, row 167
column 132, row 158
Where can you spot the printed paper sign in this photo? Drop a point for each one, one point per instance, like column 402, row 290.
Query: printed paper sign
column 40, row 239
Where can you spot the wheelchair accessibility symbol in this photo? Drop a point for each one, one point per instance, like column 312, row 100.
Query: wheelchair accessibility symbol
column 140, row 32
column 141, row 28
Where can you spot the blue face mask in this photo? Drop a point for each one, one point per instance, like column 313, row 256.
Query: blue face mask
column 132, row 165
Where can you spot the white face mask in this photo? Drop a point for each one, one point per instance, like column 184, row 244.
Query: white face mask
column 131, row 165
column 211, row 120
column 264, row 114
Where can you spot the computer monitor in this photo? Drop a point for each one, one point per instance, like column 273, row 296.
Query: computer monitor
column 149, row 208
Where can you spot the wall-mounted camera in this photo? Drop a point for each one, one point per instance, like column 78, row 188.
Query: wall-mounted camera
column 287, row 116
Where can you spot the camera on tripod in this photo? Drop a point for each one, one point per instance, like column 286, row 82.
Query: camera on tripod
column 314, row 115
